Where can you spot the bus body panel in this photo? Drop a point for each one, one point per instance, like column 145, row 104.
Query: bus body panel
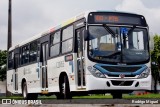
column 10, row 84
column 32, row 77
column 55, row 67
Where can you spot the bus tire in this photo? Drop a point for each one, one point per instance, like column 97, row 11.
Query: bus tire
column 58, row 95
column 26, row 95
column 64, row 89
column 117, row 95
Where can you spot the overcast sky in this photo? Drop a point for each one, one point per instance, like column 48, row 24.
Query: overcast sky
column 30, row 17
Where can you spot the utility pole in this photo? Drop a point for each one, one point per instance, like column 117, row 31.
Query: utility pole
column 9, row 44
column 9, row 40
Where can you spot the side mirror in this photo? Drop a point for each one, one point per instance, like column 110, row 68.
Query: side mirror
column 153, row 63
column 85, row 35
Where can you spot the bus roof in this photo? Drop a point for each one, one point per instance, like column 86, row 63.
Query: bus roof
column 52, row 29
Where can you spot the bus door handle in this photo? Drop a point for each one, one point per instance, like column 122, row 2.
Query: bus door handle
column 44, row 66
column 80, row 58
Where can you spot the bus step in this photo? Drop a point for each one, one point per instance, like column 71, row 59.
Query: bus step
column 81, row 88
column 44, row 92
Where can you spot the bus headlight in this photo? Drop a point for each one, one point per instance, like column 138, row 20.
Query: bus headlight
column 96, row 72
column 145, row 73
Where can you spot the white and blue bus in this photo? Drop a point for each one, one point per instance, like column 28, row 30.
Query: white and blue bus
column 94, row 52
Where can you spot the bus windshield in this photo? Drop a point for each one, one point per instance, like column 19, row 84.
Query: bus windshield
column 118, row 44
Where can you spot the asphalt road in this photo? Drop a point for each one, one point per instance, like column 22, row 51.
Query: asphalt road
column 84, row 105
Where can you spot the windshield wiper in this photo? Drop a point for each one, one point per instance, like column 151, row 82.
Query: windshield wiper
column 131, row 30
column 109, row 30
column 113, row 54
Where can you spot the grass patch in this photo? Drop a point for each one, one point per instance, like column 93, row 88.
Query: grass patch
column 93, row 96
column 46, row 97
column 146, row 96
column 125, row 96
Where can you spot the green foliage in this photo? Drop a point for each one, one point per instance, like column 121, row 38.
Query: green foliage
column 125, row 96
column 156, row 51
column 155, row 56
column 3, row 73
column 3, row 61
column 3, row 57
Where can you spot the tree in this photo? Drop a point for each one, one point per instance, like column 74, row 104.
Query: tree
column 3, row 61
column 155, row 57
column 156, row 50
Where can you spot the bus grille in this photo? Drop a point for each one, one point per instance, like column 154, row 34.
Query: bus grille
column 109, row 75
column 121, row 83
column 120, row 68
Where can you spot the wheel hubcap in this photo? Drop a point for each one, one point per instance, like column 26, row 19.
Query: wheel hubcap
column 63, row 88
column 24, row 92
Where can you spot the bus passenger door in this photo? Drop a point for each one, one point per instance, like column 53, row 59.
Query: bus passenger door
column 81, row 82
column 43, row 59
column 15, row 75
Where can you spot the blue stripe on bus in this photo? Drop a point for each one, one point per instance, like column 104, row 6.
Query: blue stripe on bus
column 71, row 63
column 104, row 71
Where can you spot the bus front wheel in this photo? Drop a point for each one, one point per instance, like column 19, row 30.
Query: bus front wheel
column 117, row 95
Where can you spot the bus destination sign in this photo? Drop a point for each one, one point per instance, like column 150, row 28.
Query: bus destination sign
column 115, row 18
column 104, row 18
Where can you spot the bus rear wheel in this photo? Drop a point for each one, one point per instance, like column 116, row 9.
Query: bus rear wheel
column 26, row 95
column 64, row 89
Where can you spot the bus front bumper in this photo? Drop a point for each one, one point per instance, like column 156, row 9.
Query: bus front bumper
column 94, row 83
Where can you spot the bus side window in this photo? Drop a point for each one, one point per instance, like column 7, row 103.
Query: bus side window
column 25, row 55
column 55, row 44
column 67, row 39
column 33, row 52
